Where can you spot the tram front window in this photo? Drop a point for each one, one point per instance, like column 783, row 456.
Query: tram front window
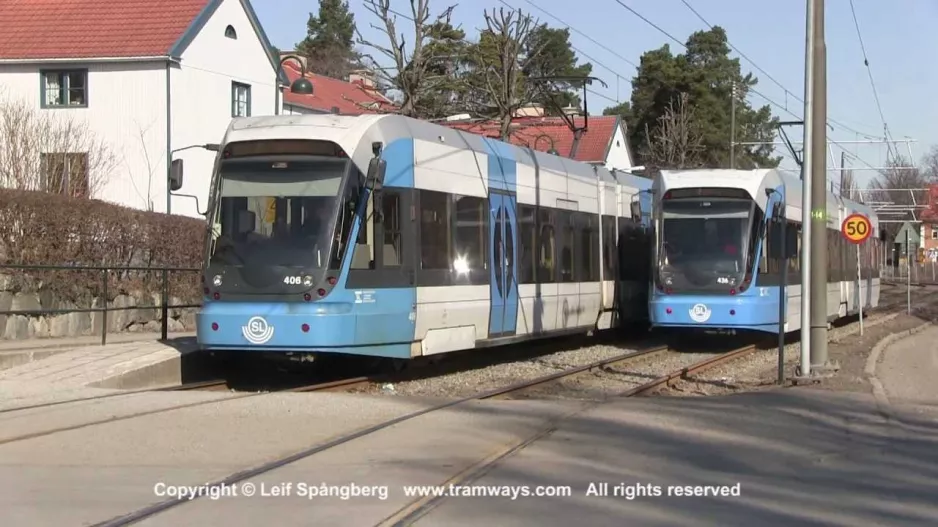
column 277, row 214
column 704, row 243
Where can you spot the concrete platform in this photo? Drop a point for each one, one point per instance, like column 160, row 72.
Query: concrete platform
column 799, row 456
column 137, row 363
column 19, row 352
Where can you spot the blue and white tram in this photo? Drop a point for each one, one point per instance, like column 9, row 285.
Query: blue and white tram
column 392, row 237
column 713, row 233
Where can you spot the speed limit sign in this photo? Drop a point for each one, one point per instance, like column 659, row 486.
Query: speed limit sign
column 856, row 228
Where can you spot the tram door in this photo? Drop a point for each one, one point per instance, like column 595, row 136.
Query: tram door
column 503, row 250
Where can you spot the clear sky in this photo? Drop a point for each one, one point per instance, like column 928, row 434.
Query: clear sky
column 896, row 35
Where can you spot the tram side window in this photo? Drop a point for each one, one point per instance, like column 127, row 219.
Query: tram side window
column 794, row 264
column 609, row 248
column 567, row 250
column 435, row 231
column 589, row 248
column 834, row 255
column 390, row 220
column 364, row 256
column 546, row 252
column 471, row 233
column 526, row 240
column 632, row 255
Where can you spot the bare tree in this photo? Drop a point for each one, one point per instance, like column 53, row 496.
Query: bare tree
column 148, row 162
column 499, row 64
column 899, row 192
column 676, row 141
column 410, row 72
column 929, row 164
column 50, row 151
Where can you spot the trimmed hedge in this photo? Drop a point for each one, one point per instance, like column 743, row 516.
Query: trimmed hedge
column 38, row 228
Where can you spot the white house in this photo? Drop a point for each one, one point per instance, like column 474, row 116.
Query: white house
column 147, row 78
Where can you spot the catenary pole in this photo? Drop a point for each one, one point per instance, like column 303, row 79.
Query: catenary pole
column 733, row 128
column 806, row 177
column 818, row 252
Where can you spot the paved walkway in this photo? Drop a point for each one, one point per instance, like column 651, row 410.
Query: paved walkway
column 83, row 364
column 908, row 371
column 17, row 352
column 788, row 457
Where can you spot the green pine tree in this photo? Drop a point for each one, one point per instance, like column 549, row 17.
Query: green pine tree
column 329, row 44
column 706, row 74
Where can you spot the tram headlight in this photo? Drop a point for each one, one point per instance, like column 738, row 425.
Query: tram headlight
column 308, row 281
column 216, row 281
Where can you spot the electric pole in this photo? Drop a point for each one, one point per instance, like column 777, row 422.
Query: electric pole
column 807, row 170
column 733, row 127
column 819, row 198
column 843, row 174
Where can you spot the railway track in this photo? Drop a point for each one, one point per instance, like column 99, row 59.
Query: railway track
column 412, row 511
column 176, row 387
column 213, row 385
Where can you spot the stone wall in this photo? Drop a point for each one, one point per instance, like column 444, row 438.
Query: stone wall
column 143, row 317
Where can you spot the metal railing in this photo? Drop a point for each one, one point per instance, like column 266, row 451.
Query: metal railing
column 105, row 271
column 917, row 272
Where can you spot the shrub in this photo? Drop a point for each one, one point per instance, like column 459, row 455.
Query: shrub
column 39, row 228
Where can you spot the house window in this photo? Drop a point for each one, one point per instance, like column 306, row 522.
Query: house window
column 231, row 33
column 68, row 88
column 240, row 100
column 934, row 233
column 65, row 173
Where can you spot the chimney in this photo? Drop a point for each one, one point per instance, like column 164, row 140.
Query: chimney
column 364, row 77
column 530, row 110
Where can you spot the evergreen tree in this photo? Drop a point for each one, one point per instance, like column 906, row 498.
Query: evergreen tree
column 447, row 54
column 329, row 43
column 623, row 110
column 549, row 54
column 706, row 74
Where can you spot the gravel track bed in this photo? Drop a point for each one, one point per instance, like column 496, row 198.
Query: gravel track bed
column 758, row 371
column 471, row 382
column 749, row 373
column 616, row 378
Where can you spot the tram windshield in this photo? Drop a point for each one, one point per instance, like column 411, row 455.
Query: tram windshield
column 278, row 213
column 704, row 242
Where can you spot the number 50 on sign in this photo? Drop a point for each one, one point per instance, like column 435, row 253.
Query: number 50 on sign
column 856, row 228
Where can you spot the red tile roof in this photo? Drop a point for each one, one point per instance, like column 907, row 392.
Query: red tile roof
column 47, row 29
column 328, row 93
column 544, row 133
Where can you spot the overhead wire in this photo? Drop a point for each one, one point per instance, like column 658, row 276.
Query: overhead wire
column 674, row 39
column 684, row 46
column 578, row 32
column 869, row 71
column 788, row 92
column 581, row 52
